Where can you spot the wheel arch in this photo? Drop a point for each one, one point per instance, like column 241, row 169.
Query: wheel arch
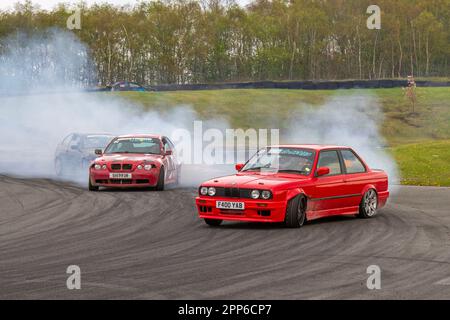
column 292, row 193
column 367, row 187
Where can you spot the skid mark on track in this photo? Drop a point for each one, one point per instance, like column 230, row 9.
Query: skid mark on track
column 147, row 244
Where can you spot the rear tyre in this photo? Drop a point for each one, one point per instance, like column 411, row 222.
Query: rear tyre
column 91, row 187
column 160, row 184
column 369, row 204
column 213, row 222
column 296, row 212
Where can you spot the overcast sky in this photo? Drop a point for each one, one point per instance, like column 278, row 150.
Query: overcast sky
column 49, row 4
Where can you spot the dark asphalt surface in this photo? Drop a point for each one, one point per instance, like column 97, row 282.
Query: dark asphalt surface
column 151, row 245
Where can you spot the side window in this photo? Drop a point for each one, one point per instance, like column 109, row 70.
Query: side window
column 172, row 146
column 352, row 163
column 330, row 159
column 166, row 144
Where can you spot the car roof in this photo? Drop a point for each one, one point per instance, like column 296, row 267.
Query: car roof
column 317, row 147
column 140, row 136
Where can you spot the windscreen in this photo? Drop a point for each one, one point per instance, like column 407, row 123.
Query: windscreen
column 290, row 160
column 134, row 145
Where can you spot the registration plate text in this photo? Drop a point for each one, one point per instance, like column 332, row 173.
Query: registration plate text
column 120, row 175
column 230, row 205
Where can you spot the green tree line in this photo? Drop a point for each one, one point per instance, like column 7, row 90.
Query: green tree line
column 185, row 41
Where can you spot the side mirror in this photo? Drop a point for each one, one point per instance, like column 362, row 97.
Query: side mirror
column 322, row 171
column 168, row 153
column 98, row 152
column 239, row 166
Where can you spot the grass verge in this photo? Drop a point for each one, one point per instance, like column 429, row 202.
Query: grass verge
column 424, row 164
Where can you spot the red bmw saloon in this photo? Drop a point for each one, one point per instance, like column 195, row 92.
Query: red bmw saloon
column 135, row 161
column 293, row 184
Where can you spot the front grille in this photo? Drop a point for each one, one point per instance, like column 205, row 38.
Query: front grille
column 245, row 193
column 126, row 166
column 118, row 166
column 233, row 192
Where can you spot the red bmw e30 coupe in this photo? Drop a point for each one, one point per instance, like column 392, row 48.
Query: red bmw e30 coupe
column 295, row 183
column 135, row 161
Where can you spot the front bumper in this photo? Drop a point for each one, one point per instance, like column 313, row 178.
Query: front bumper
column 255, row 210
column 100, row 178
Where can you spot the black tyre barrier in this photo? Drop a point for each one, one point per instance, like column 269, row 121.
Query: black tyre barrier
column 305, row 85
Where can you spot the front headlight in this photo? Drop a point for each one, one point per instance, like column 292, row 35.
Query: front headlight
column 139, row 167
column 97, row 167
column 203, row 191
column 266, row 194
column 148, row 167
column 255, row 194
column 211, row 191
column 104, row 167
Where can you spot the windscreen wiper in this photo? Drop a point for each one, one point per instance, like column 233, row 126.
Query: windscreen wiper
column 292, row 170
column 257, row 168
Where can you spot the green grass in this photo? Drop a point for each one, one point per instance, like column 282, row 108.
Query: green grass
column 429, row 121
column 425, row 164
column 419, row 140
column 242, row 108
column 271, row 108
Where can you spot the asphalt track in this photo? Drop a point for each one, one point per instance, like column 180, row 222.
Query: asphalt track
column 151, row 245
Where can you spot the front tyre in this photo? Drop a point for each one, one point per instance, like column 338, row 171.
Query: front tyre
column 213, row 222
column 92, row 187
column 369, row 204
column 296, row 212
column 160, row 183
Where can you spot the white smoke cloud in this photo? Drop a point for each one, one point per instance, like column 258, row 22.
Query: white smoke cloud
column 350, row 120
column 35, row 124
column 47, row 61
column 41, row 104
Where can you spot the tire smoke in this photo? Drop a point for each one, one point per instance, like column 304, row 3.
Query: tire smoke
column 41, row 78
column 350, row 120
